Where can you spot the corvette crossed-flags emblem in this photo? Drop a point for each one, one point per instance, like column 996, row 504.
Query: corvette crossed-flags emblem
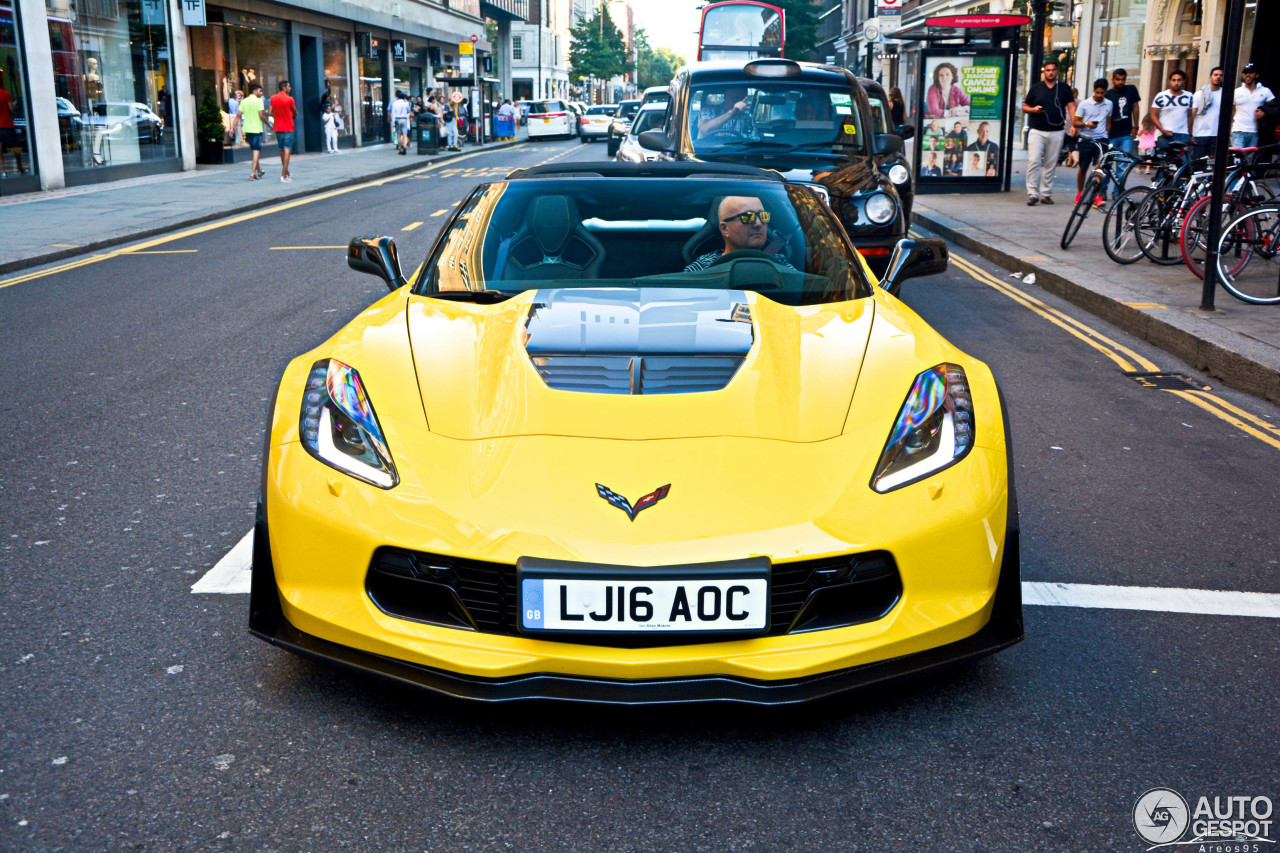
column 623, row 504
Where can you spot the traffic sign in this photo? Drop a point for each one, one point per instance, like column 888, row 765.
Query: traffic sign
column 456, row 97
column 871, row 31
column 466, row 48
column 475, row 39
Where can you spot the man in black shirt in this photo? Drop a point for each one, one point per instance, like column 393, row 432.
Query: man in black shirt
column 1125, row 114
column 1047, row 105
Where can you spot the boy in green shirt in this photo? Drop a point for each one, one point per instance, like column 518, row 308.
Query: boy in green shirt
column 251, row 109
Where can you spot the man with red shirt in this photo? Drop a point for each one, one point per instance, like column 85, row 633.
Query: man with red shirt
column 9, row 139
column 282, row 113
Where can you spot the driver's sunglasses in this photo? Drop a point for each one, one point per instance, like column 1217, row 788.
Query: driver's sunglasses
column 748, row 217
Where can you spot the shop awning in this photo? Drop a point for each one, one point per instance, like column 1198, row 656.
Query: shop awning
column 953, row 27
column 466, row 81
column 505, row 10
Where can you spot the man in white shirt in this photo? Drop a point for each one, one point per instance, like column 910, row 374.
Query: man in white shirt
column 1249, row 99
column 1171, row 112
column 1207, row 104
column 1093, row 127
column 400, row 110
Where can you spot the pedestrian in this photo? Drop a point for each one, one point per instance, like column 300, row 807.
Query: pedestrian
column 250, row 118
column 506, row 111
column 1147, row 140
column 332, row 124
column 1207, row 106
column 1048, row 103
column 1093, row 127
column 897, row 108
column 233, row 112
column 450, row 118
column 400, row 110
column 1171, row 111
column 1125, row 113
column 283, row 112
column 9, row 138
column 1249, row 100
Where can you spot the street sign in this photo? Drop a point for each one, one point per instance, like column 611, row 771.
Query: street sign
column 977, row 21
column 871, row 30
column 466, row 65
column 456, row 97
column 890, row 6
column 475, row 39
column 399, row 52
column 466, row 48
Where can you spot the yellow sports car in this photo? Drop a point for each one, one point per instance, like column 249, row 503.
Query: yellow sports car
column 639, row 434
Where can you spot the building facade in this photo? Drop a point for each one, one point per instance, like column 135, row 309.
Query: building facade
column 99, row 90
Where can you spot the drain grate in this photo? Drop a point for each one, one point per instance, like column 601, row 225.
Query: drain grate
column 1163, row 381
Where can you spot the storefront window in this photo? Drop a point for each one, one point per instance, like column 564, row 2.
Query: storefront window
column 1120, row 27
column 337, row 79
column 112, row 78
column 232, row 55
column 373, row 102
column 15, row 140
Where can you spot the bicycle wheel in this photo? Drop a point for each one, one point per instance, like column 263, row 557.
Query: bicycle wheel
column 1079, row 212
column 1157, row 226
column 1118, row 236
column 1195, row 232
column 1249, row 257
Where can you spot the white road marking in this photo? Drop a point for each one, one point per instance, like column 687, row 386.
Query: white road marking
column 233, row 572
column 1207, row 602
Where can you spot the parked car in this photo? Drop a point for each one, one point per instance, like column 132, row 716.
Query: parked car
column 894, row 165
column 809, row 122
column 650, row 117
column 551, row 118
column 656, row 95
column 621, row 124
column 595, row 123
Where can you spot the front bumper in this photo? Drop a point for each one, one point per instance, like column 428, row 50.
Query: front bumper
column 1003, row 629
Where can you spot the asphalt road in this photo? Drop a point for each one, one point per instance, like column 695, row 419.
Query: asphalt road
column 138, row 715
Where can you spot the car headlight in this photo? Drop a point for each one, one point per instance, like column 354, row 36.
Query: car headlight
column 338, row 425
column 933, row 431
column 880, row 208
column 898, row 173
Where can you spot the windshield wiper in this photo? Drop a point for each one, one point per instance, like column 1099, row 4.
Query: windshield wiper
column 486, row 297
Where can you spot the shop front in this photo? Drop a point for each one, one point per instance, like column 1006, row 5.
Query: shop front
column 113, row 81
column 17, row 166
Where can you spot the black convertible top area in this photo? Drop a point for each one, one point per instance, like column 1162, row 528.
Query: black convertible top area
column 653, row 169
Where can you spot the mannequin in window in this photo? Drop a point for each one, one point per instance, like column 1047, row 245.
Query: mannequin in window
column 92, row 80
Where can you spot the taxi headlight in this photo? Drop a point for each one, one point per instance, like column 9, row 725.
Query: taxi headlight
column 934, row 430
column 898, row 173
column 338, row 425
column 880, row 208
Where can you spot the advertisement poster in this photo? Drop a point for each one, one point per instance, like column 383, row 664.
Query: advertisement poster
column 964, row 106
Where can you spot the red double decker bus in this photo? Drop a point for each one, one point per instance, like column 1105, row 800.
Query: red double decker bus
column 741, row 29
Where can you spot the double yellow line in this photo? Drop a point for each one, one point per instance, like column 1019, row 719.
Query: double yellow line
column 233, row 220
column 1124, row 357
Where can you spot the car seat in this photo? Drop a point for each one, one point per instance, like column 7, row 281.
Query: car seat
column 551, row 244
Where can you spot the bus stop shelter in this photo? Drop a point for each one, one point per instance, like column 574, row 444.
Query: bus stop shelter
column 965, row 109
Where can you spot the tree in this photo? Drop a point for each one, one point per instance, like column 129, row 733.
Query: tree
column 654, row 66
column 597, row 48
column 801, row 26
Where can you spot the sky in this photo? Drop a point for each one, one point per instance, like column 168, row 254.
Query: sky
column 671, row 24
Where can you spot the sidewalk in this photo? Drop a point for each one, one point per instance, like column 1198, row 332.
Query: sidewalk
column 44, row 227
column 1238, row 344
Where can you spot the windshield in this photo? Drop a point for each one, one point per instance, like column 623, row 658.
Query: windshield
column 879, row 113
column 733, row 117
column 628, row 109
column 514, row 236
column 648, row 120
column 745, row 26
column 606, row 110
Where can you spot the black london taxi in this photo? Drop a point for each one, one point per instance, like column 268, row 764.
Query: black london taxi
column 808, row 122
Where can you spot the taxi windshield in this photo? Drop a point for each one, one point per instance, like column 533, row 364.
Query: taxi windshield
column 778, row 239
column 773, row 115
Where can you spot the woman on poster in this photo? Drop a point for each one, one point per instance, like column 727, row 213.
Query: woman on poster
column 945, row 98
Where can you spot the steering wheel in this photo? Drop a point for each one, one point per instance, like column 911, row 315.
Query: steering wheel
column 743, row 254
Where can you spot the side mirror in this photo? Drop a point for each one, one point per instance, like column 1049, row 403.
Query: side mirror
column 377, row 256
column 912, row 259
column 906, row 131
column 653, row 140
column 888, row 143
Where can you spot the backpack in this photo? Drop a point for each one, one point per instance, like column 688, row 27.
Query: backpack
column 448, row 114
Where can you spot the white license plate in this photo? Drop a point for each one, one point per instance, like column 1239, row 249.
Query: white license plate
column 641, row 605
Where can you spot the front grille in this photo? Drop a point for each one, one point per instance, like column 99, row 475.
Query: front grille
column 627, row 374
column 808, row 595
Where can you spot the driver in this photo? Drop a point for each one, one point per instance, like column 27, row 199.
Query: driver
column 743, row 224
column 734, row 117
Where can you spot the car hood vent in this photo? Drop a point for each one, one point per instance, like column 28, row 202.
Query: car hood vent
column 638, row 340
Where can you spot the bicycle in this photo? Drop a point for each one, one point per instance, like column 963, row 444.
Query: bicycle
column 1119, row 228
column 1114, row 165
column 1249, row 256
column 1249, row 185
column 1158, row 222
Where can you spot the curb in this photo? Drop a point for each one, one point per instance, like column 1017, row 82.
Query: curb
column 132, row 236
column 1219, row 360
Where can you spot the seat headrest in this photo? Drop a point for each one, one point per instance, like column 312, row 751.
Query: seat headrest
column 553, row 220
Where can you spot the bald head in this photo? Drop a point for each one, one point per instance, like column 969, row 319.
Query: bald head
column 738, row 234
